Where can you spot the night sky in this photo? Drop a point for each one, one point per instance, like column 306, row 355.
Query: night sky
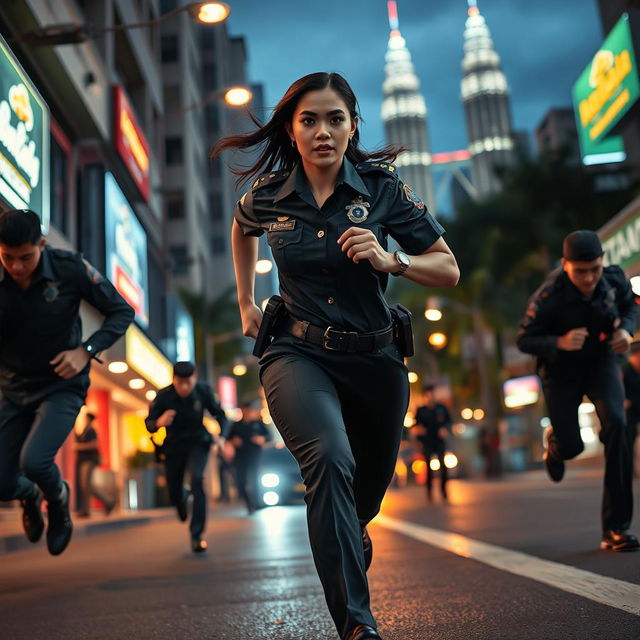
column 543, row 45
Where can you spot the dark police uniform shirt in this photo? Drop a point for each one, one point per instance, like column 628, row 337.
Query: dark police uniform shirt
column 433, row 419
column 39, row 323
column 318, row 282
column 558, row 306
column 187, row 428
column 88, row 435
column 245, row 431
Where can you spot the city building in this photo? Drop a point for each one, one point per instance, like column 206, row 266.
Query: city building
column 485, row 96
column 404, row 113
column 557, row 130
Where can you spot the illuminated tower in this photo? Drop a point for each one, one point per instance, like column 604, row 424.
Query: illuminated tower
column 485, row 95
column 404, row 114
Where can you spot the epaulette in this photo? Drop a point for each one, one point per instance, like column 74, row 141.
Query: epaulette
column 381, row 167
column 273, row 177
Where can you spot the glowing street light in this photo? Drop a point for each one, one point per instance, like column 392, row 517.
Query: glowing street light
column 478, row 414
column 437, row 339
column 238, row 96
column 413, row 377
column 264, row 266
column 467, row 413
column 239, row 369
column 210, row 12
column 118, row 367
column 433, row 315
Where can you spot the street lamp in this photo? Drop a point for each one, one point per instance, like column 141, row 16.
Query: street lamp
column 437, row 340
column 71, row 33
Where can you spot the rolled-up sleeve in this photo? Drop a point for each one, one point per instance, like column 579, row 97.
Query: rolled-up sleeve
column 409, row 223
column 246, row 218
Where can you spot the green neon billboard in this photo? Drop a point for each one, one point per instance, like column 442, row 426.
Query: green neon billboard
column 605, row 91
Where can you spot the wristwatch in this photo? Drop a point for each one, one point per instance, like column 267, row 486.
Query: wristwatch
column 403, row 261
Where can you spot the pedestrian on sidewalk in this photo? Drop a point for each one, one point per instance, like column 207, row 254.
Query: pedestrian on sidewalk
column 631, row 378
column 179, row 408
column 334, row 377
column 578, row 324
column 248, row 436
column 44, row 365
column 87, row 460
column 432, row 426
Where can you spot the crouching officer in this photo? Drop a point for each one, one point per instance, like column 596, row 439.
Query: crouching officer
column 180, row 409
column 44, row 366
column 576, row 324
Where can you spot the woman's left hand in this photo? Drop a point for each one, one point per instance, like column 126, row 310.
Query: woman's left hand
column 361, row 244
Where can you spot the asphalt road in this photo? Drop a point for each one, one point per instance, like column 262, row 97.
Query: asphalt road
column 258, row 581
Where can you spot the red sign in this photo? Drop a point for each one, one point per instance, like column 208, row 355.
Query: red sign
column 228, row 392
column 130, row 142
column 129, row 290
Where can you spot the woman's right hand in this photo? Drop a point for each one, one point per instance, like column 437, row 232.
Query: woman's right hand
column 251, row 318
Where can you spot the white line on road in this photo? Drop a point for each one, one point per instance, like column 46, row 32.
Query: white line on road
column 610, row 591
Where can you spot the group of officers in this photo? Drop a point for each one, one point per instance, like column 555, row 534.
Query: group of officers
column 579, row 324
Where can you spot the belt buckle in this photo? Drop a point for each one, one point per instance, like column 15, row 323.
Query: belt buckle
column 326, row 338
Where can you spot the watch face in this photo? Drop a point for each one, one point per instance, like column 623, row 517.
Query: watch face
column 403, row 258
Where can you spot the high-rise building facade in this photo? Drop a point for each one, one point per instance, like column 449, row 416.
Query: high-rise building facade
column 404, row 113
column 485, row 96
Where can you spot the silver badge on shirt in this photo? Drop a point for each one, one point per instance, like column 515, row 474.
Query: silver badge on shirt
column 357, row 210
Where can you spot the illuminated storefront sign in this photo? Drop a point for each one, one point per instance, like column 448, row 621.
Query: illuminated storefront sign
column 130, row 142
column 24, row 140
column 228, row 392
column 126, row 250
column 520, row 392
column 622, row 244
column 146, row 359
column 185, row 344
column 604, row 93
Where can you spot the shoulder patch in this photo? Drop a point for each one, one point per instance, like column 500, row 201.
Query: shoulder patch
column 380, row 167
column 412, row 197
column 273, row 177
column 92, row 273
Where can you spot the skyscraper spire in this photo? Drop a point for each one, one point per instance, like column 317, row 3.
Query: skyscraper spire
column 485, row 95
column 404, row 113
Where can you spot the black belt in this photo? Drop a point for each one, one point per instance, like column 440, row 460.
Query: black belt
column 335, row 340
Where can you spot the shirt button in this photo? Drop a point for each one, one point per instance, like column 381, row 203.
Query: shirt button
column 330, row 300
column 320, row 234
column 281, row 241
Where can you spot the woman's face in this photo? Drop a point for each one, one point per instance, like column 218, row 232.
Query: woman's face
column 321, row 127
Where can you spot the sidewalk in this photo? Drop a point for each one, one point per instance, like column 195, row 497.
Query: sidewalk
column 12, row 536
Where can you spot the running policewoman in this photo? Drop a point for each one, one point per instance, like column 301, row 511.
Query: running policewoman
column 334, row 378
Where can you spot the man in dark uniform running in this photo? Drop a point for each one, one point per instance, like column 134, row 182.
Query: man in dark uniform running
column 576, row 324
column 433, row 423
column 44, row 365
column 180, row 409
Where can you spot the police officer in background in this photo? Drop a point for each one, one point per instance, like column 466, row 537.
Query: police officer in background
column 179, row 408
column 432, row 425
column 334, row 378
column 44, row 366
column 577, row 323
column 248, row 436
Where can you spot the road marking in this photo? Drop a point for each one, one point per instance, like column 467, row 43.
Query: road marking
column 610, row 591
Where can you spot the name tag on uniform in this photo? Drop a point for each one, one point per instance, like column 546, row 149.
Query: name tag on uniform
column 283, row 226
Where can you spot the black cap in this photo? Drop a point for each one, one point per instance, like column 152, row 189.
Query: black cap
column 183, row 369
column 582, row 246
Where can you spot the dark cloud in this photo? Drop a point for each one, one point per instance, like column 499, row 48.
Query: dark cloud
column 544, row 45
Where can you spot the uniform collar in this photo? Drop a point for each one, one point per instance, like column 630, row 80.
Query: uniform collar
column 297, row 183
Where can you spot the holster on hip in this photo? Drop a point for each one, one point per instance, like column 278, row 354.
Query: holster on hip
column 403, row 331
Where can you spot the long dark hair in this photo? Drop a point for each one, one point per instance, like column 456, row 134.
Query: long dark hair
column 277, row 152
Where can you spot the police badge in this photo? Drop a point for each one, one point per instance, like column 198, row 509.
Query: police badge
column 51, row 291
column 357, row 210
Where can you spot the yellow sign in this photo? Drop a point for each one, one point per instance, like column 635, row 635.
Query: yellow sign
column 146, row 359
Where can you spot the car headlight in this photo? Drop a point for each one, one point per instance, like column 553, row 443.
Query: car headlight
column 270, row 480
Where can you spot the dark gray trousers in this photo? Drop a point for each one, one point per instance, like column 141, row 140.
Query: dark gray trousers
column 341, row 415
column 601, row 381
column 30, row 436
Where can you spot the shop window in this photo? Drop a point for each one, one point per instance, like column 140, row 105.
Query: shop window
column 169, row 48
column 173, row 150
column 175, row 209
column 180, row 260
